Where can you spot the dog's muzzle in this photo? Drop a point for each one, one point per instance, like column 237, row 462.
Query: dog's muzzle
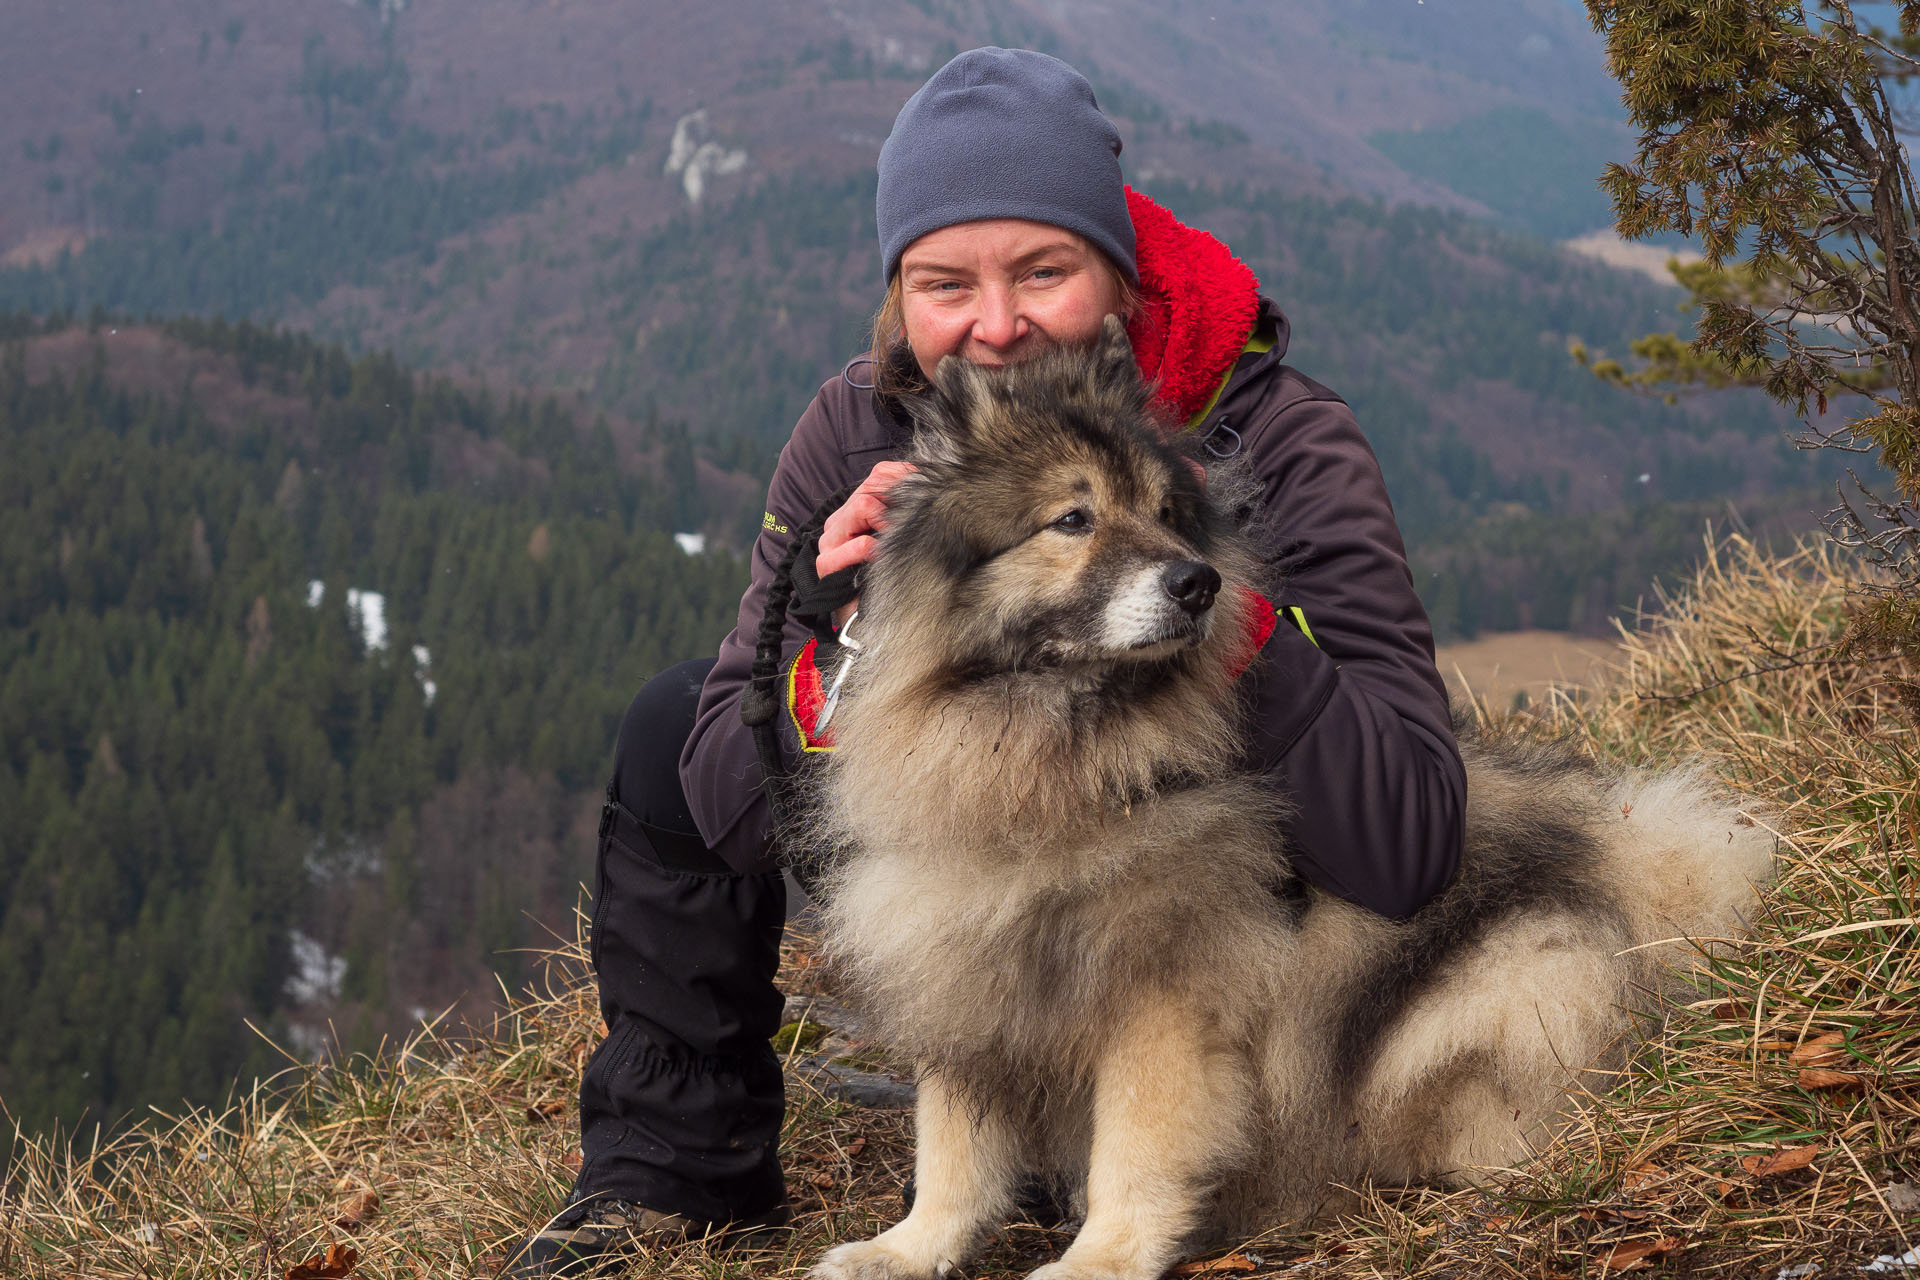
column 1160, row 608
column 1192, row 584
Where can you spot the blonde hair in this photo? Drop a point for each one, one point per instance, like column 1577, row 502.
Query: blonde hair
column 895, row 371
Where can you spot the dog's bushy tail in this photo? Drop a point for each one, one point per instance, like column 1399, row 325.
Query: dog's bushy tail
column 1685, row 857
column 1585, row 893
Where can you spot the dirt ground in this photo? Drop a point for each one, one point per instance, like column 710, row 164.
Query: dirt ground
column 1497, row 668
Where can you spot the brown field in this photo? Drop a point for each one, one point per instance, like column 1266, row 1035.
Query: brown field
column 1496, row 668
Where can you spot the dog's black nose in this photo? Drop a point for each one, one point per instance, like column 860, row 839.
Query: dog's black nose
column 1192, row 584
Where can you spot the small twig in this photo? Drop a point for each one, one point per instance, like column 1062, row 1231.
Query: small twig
column 1761, row 671
column 1873, row 1187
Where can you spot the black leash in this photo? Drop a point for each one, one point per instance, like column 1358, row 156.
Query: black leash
column 798, row 589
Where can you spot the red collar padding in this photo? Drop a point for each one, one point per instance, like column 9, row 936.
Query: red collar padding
column 806, row 692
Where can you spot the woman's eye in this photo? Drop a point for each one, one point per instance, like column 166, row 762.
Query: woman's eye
column 1075, row 521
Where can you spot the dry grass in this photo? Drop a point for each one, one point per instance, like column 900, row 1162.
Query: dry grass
column 433, row 1159
column 468, row 1141
column 1806, row 1039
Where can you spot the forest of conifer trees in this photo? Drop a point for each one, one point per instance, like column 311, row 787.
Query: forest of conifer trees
column 217, row 775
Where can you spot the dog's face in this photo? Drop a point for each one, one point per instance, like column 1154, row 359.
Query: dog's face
column 1049, row 520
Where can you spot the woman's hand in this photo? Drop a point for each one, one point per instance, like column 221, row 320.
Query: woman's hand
column 847, row 538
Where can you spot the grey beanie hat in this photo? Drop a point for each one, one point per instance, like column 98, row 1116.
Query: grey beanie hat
column 1003, row 133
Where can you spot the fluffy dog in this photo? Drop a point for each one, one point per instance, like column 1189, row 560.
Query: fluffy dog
column 1050, row 889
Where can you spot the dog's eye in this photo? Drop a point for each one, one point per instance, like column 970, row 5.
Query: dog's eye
column 1075, row 521
column 1166, row 513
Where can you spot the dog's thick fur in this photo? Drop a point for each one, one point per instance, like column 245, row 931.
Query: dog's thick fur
column 1053, row 892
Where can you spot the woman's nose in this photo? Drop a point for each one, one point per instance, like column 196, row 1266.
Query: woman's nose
column 999, row 321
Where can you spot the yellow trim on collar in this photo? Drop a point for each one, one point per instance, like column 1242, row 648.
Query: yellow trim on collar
column 793, row 706
column 1262, row 341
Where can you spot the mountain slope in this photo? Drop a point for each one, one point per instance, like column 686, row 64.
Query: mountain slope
column 311, row 670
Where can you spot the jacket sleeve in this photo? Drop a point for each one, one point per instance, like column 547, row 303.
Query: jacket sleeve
column 719, row 766
column 1352, row 724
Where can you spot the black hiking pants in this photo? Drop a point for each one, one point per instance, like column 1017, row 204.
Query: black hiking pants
column 680, row 1107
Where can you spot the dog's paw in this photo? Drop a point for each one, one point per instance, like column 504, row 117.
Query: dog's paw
column 1064, row 1270
column 1069, row 1268
column 871, row 1260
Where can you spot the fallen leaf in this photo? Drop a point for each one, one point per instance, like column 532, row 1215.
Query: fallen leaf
column 1635, row 1254
column 1641, row 1175
column 855, row 1147
column 1821, row 1051
column 1769, row 1164
column 822, row 1180
column 339, row 1260
column 572, row 1161
column 546, row 1112
column 1902, row 1197
column 1819, row 1078
column 355, row 1212
column 1232, row 1262
column 1731, row 1011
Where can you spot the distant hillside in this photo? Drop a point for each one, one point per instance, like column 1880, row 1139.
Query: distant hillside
column 672, row 219
column 311, row 670
column 98, row 96
column 515, row 259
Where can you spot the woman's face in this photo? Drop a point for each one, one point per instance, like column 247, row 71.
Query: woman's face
column 997, row 291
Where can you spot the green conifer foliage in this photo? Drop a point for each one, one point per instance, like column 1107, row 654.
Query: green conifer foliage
column 1767, row 132
column 198, row 766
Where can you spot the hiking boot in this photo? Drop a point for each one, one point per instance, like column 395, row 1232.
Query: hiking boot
column 597, row 1230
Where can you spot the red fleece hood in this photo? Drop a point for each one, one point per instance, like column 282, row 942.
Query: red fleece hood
column 1198, row 304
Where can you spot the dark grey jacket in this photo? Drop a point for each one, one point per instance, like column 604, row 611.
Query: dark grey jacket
column 1354, row 729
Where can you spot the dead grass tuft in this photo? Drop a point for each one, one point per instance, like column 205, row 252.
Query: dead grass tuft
column 1772, row 1122
column 1778, row 1107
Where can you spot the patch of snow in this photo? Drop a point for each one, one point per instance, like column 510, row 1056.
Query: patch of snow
column 1794, row 1273
column 423, row 670
column 316, row 975
column 369, row 606
column 309, row 1042
column 1908, row 1261
column 372, row 608
column 353, row 857
column 691, row 543
column 695, row 158
column 147, row 1233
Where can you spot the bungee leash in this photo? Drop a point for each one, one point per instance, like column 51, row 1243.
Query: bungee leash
column 798, row 589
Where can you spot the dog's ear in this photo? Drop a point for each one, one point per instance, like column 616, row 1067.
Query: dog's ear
column 941, row 419
column 1114, row 355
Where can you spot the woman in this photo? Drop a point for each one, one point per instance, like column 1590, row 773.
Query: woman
column 1005, row 228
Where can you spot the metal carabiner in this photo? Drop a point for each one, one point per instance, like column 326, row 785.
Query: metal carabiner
column 852, row 647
